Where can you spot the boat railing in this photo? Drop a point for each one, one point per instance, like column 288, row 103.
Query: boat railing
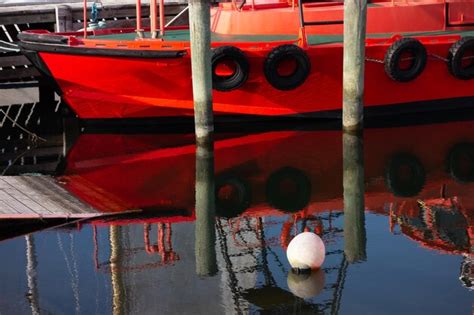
column 303, row 24
column 154, row 29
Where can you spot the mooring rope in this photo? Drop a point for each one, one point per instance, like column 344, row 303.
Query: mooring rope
column 33, row 135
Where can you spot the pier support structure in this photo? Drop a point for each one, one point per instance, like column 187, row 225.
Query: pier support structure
column 355, row 17
column 63, row 18
column 200, row 33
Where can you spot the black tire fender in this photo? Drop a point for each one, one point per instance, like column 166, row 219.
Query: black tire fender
column 456, row 55
column 241, row 72
column 297, row 77
column 394, row 54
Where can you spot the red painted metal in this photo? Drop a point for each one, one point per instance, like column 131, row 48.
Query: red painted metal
column 162, row 18
column 145, row 88
column 84, row 16
column 140, row 87
column 139, row 15
column 153, row 17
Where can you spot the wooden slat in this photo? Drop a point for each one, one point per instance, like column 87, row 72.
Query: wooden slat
column 43, row 168
column 38, row 152
column 9, row 61
column 124, row 23
column 27, row 16
column 18, row 73
column 39, row 196
column 46, row 13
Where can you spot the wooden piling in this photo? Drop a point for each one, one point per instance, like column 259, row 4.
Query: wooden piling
column 354, row 206
column 355, row 16
column 200, row 34
column 46, row 92
column 205, row 233
column 63, row 18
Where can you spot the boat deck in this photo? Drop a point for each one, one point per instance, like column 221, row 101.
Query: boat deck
column 183, row 35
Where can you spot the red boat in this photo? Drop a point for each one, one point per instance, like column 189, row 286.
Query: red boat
column 419, row 53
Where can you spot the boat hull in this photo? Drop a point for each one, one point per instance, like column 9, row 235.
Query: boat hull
column 111, row 87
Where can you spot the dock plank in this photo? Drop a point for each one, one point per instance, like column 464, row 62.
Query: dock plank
column 39, row 197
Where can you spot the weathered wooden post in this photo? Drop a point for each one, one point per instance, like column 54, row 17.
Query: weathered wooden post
column 353, row 182
column 71, row 132
column 205, row 237
column 200, row 33
column 355, row 16
column 63, row 18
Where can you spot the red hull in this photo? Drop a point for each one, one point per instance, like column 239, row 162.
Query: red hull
column 99, row 83
column 113, row 87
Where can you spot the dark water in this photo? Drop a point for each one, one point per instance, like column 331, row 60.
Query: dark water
column 215, row 224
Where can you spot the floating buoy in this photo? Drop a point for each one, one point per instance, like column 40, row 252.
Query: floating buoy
column 306, row 251
column 306, row 285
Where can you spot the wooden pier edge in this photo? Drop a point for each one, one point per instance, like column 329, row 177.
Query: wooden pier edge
column 39, row 196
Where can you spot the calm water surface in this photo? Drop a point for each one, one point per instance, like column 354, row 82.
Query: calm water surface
column 215, row 224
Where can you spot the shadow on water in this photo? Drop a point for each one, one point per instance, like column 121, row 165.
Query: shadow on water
column 216, row 221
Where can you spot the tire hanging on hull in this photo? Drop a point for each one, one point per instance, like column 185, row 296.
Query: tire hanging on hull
column 457, row 56
column 231, row 57
column 297, row 75
column 398, row 53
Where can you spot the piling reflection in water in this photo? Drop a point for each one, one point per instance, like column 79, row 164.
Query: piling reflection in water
column 31, row 275
column 354, row 206
column 116, row 252
column 266, row 187
column 205, row 251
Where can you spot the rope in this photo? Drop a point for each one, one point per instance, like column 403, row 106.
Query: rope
column 374, row 60
column 33, row 135
column 438, row 57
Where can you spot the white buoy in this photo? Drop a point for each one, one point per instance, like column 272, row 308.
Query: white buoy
column 306, row 251
column 306, row 285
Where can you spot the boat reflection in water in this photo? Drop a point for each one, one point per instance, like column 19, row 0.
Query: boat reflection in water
column 225, row 252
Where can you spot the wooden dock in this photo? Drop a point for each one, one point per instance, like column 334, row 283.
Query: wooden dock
column 29, row 197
